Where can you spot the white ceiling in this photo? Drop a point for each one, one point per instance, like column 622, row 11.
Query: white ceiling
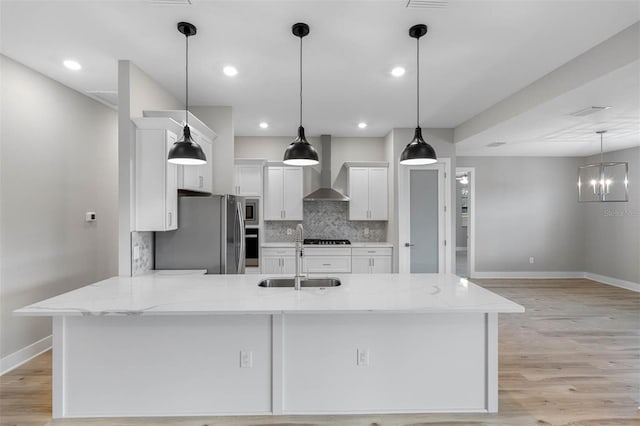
column 476, row 54
column 550, row 129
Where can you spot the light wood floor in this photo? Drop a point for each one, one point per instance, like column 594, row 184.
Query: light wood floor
column 572, row 359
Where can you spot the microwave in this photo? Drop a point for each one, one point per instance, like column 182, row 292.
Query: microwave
column 251, row 211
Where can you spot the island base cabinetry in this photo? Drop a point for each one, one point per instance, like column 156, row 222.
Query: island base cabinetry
column 178, row 365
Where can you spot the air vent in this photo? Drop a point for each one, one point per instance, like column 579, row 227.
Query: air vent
column 172, row 2
column 589, row 110
column 109, row 98
column 427, row 4
column 495, row 144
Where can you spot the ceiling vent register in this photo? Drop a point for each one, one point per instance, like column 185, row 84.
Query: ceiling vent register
column 427, row 4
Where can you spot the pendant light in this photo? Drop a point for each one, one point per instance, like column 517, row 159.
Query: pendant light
column 603, row 181
column 418, row 152
column 300, row 152
column 186, row 151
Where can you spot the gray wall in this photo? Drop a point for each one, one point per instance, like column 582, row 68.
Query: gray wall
column 527, row 206
column 612, row 230
column 59, row 160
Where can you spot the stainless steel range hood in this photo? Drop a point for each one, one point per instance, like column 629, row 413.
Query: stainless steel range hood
column 326, row 193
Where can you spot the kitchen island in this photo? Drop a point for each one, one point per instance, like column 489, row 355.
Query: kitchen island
column 169, row 345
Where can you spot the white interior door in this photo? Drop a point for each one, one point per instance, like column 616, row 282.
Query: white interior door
column 423, row 230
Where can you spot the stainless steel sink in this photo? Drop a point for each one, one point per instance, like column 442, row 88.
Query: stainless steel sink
column 305, row 282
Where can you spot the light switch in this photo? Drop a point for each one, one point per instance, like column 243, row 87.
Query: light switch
column 246, row 359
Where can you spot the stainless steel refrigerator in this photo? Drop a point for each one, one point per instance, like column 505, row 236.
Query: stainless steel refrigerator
column 210, row 236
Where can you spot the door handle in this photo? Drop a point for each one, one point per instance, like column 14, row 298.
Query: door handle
column 409, row 245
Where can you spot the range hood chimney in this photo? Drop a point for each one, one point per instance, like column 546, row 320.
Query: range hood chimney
column 326, row 193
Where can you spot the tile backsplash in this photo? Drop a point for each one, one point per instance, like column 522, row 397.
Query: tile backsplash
column 327, row 219
column 144, row 263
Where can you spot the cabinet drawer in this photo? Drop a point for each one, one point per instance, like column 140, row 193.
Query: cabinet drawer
column 327, row 251
column 372, row 251
column 317, row 264
column 278, row 251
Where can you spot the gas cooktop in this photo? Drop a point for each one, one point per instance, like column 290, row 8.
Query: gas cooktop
column 323, row 242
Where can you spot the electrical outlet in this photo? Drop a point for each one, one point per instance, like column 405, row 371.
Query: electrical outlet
column 90, row 216
column 136, row 252
column 246, row 359
column 289, row 231
column 366, row 232
column 363, row 357
column 532, row 260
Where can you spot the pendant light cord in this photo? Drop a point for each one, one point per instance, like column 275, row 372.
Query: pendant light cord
column 418, row 82
column 601, row 152
column 186, row 86
column 300, row 81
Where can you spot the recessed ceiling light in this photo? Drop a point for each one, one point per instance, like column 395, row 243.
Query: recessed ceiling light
column 72, row 65
column 362, row 125
column 264, row 125
column 230, row 71
column 398, row 72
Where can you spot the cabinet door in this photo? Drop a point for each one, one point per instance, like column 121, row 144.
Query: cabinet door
column 288, row 265
column 273, row 195
column 271, row 265
column 197, row 178
column 378, row 199
column 205, row 169
column 381, row 264
column 360, row 265
column 156, row 195
column 171, row 194
column 292, row 190
column 358, row 193
column 249, row 180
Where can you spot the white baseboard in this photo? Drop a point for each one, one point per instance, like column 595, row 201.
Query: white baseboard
column 541, row 275
column 536, row 275
column 629, row 285
column 25, row 354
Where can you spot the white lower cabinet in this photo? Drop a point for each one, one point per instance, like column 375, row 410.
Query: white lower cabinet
column 371, row 260
column 278, row 261
column 321, row 260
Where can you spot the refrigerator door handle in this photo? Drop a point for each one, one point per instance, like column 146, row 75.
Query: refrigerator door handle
column 241, row 255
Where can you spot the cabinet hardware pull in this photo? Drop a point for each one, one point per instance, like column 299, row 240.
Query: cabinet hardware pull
column 170, row 218
column 200, row 181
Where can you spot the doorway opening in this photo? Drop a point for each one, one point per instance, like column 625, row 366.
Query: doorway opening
column 465, row 206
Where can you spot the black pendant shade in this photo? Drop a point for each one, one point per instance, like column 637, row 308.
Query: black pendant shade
column 418, row 152
column 300, row 152
column 186, row 151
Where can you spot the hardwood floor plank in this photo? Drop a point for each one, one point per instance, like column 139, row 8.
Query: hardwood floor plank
column 572, row 359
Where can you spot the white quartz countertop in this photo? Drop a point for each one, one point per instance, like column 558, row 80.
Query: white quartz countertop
column 155, row 294
column 356, row 245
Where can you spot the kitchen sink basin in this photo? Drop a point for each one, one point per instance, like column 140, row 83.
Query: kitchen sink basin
column 305, row 282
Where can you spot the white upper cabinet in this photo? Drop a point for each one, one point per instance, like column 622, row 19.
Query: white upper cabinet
column 156, row 180
column 283, row 193
column 368, row 191
column 192, row 178
column 197, row 178
column 249, row 178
